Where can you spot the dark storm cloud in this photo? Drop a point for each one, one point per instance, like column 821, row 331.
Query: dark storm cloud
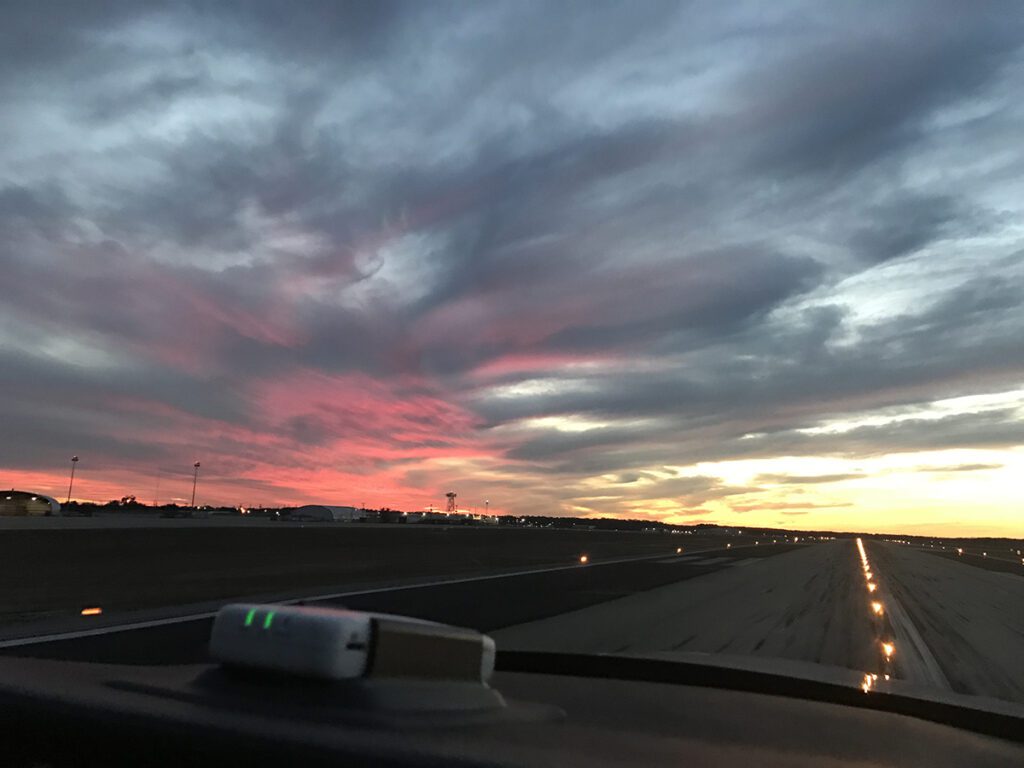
column 41, row 35
column 991, row 429
column 709, row 414
column 151, row 95
column 753, row 377
column 34, row 206
column 904, row 226
column 30, row 439
column 197, row 200
column 358, row 27
column 860, row 93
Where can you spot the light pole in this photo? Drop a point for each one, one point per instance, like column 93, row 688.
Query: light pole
column 487, row 506
column 195, row 479
column 74, row 460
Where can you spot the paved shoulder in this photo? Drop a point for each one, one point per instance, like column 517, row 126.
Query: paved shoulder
column 971, row 619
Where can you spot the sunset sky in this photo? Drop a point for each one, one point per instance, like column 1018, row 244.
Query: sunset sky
column 757, row 264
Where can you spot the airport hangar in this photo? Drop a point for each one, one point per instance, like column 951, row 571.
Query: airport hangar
column 27, row 503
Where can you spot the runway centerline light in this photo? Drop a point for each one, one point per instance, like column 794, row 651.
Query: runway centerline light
column 93, row 611
column 889, row 649
column 872, row 586
column 584, row 559
column 876, row 607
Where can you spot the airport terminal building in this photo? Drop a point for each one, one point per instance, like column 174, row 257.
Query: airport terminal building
column 328, row 513
column 27, row 503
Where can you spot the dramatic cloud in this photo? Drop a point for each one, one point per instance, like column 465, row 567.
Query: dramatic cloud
column 664, row 260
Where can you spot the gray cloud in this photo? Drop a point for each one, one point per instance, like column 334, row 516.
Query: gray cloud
column 752, row 226
column 862, row 93
column 904, row 226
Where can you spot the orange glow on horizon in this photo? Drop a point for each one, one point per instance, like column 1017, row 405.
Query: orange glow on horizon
column 403, row 465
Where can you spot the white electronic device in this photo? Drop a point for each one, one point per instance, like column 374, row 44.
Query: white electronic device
column 333, row 644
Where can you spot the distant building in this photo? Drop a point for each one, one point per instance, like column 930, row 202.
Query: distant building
column 448, row 518
column 25, row 503
column 488, row 520
column 435, row 518
column 328, row 513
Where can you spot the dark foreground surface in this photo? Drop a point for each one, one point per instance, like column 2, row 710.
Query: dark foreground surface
column 558, row 711
column 484, row 603
column 54, row 573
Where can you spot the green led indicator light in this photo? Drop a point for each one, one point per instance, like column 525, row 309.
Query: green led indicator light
column 267, row 619
column 250, row 616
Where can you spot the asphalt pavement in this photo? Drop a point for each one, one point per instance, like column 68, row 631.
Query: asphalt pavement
column 971, row 618
column 806, row 604
column 890, row 609
column 485, row 602
column 52, row 573
column 935, row 622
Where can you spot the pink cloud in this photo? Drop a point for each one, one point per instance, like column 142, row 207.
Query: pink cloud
column 533, row 363
column 306, row 436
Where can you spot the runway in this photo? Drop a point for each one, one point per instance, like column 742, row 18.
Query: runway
column 948, row 625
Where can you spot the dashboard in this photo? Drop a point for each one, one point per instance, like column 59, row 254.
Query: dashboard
column 565, row 712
